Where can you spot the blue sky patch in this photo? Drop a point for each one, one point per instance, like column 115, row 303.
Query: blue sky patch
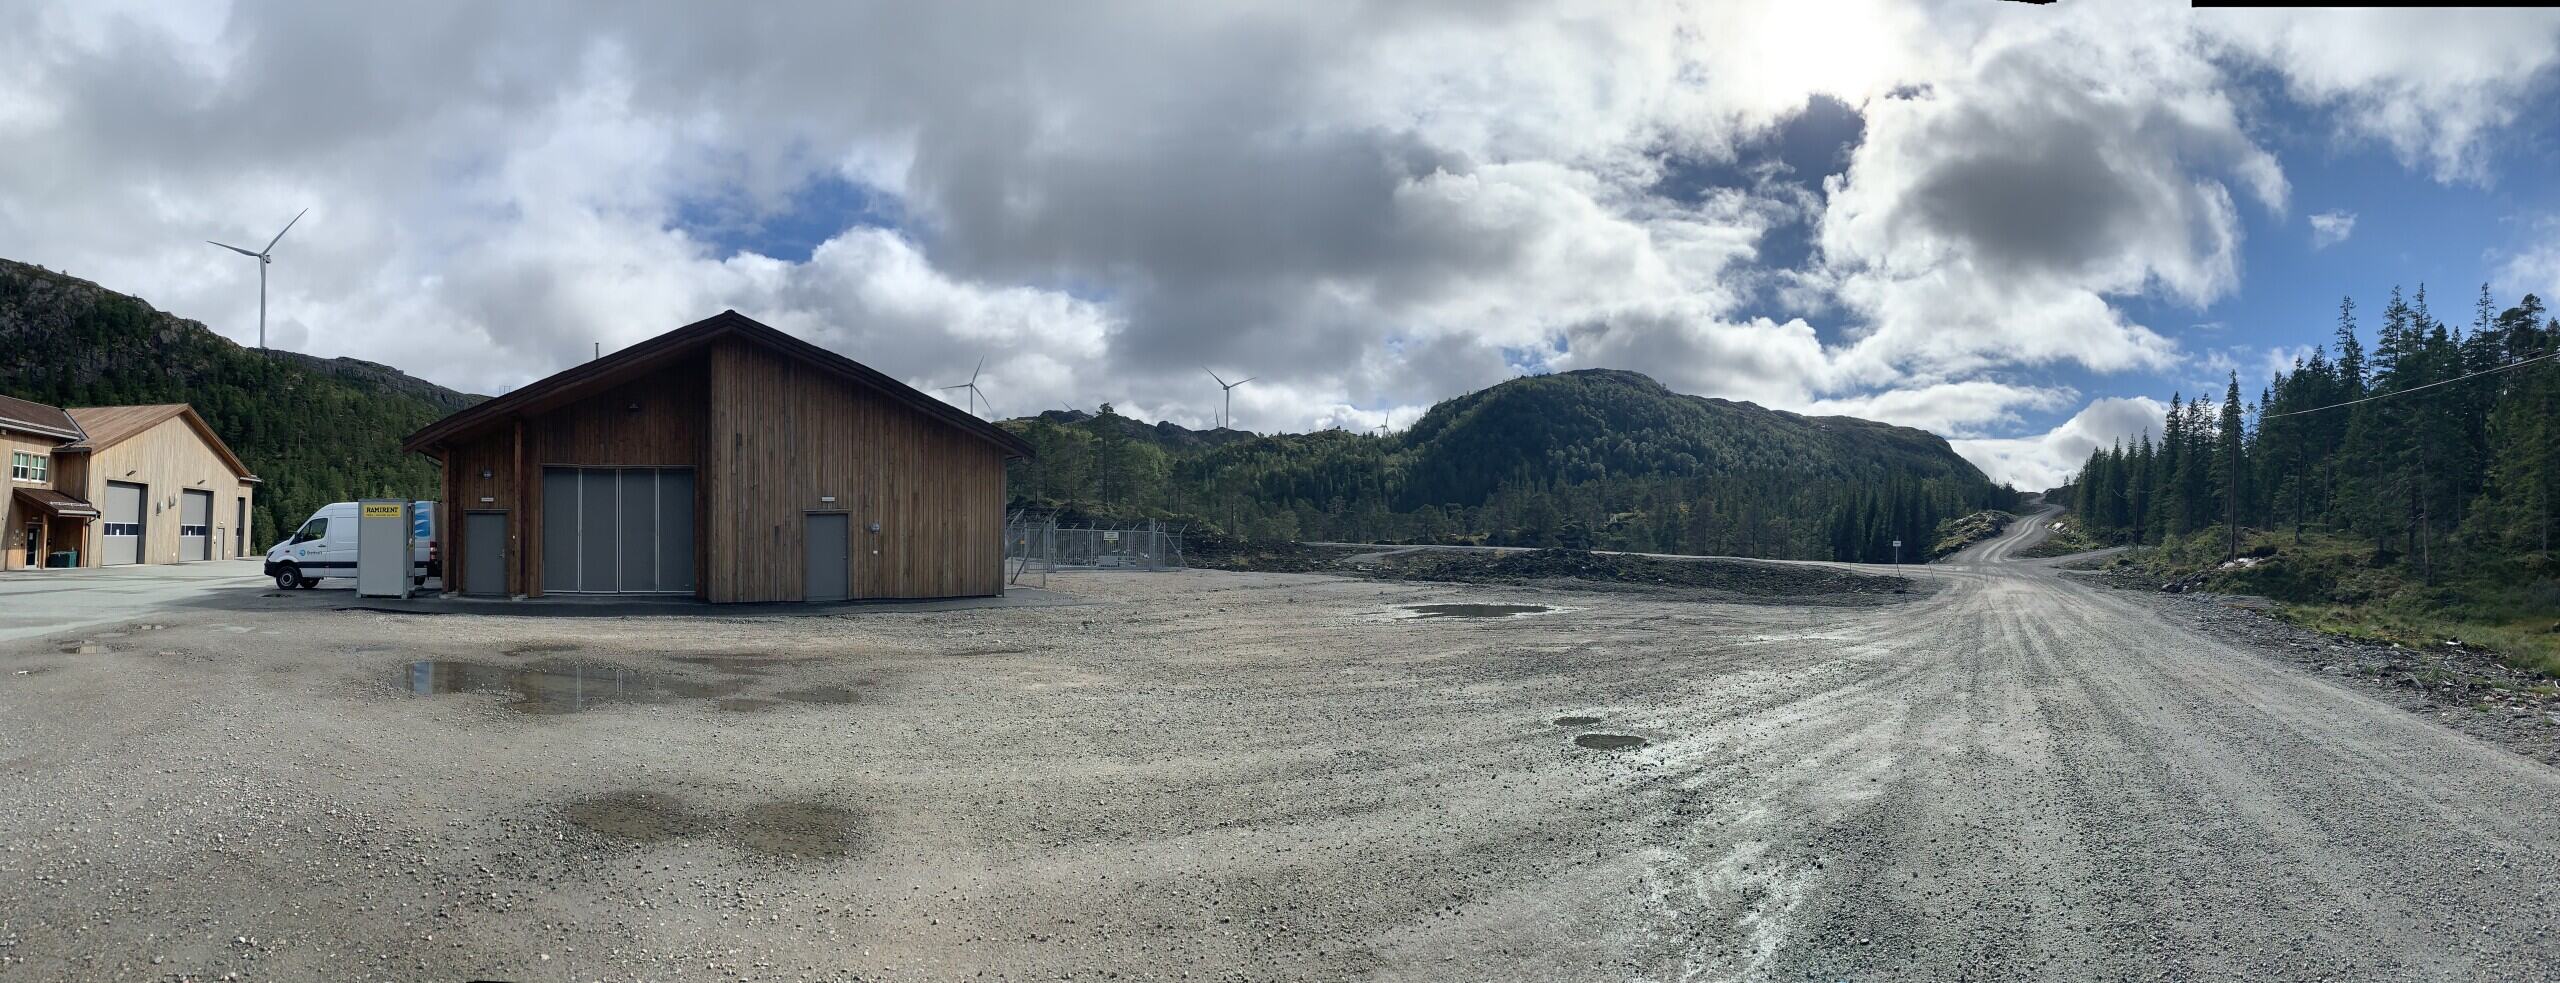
column 731, row 222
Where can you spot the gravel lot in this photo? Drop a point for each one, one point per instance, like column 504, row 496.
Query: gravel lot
column 1238, row 776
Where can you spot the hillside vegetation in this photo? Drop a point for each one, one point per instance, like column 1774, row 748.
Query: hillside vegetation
column 1957, row 533
column 2334, row 583
column 315, row 430
column 1587, row 459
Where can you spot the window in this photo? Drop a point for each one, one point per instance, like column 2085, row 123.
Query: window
column 29, row 467
column 120, row 528
column 312, row 531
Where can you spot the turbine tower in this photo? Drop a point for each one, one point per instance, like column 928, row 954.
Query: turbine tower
column 1229, row 390
column 264, row 257
column 972, row 387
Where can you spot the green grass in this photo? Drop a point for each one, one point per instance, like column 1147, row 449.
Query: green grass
column 2509, row 606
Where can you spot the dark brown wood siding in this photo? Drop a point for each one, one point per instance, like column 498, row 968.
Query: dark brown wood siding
column 785, row 436
column 495, row 454
column 654, row 421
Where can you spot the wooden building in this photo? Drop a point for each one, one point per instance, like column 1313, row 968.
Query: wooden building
column 726, row 460
column 115, row 485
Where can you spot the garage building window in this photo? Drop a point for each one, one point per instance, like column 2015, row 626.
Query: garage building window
column 29, row 467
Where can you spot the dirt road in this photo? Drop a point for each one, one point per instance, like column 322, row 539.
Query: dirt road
column 1261, row 777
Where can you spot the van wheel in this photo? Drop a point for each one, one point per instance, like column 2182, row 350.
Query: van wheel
column 289, row 577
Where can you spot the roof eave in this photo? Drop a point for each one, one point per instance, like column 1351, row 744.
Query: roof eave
column 647, row 354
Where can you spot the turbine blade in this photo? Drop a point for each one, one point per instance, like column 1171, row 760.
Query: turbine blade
column 1246, row 380
column 288, row 227
column 235, row 249
column 1222, row 383
column 973, row 373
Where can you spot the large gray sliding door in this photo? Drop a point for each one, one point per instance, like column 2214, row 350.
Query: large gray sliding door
column 120, row 531
column 675, row 537
column 195, row 525
column 617, row 530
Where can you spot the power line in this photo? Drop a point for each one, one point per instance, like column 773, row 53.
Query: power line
column 2404, row 392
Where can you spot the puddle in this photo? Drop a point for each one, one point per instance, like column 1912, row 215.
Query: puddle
column 1475, row 610
column 636, row 817
column 822, row 694
column 735, row 665
column 540, row 648
column 797, row 829
column 1609, row 742
column 557, row 689
column 790, row 830
column 1576, row 721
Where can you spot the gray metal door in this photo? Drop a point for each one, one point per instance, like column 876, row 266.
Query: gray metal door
column 559, row 529
column 830, row 573
column 121, row 526
column 675, row 530
column 609, row 530
column 597, row 524
column 484, row 553
column 195, row 525
column 637, row 530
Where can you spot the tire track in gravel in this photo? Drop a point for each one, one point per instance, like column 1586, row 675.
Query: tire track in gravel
column 2075, row 791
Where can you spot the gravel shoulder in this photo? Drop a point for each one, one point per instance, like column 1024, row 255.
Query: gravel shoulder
column 2466, row 689
column 1253, row 776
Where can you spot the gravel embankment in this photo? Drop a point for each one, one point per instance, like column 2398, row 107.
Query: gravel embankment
column 2463, row 688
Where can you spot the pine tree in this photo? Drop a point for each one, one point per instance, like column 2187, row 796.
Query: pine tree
column 2226, row 462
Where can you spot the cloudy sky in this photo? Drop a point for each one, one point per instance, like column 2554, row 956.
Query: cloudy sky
column 2010, row 224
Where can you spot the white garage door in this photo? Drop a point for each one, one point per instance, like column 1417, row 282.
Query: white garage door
column 122, row 525
column 617, row 530
column 195, row 525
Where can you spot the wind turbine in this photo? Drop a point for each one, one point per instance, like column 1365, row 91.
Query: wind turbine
column 1229, row 390
column 264, row 257
column 972, row 387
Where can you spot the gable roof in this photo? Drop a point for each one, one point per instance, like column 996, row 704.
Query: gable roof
column 108, row 426
column 592, row 377
column 29, row 416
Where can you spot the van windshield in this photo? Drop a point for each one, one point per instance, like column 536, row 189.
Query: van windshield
column 317, row 528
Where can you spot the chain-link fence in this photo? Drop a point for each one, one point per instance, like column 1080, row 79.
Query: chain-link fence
column 1037, row 545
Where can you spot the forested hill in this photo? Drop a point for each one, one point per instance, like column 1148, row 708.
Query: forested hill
column 1590, row 424
column 315, row 430
column 1170, row 437
column 1597, row 458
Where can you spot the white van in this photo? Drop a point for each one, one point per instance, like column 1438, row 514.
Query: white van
column 325, row 547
